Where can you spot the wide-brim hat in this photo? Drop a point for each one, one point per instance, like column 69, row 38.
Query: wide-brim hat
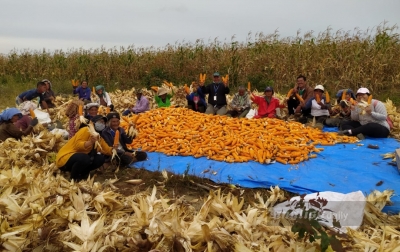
column 161, row 91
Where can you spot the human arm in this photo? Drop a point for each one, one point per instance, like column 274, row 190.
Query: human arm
column 108, row 99
column 76, row 90
column 378, row 110
column 308, row 104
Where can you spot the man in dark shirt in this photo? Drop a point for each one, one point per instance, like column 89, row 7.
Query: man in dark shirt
column 29, row 95
column 217, row 92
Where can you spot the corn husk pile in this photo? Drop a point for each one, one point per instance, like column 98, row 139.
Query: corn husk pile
column 42, row 211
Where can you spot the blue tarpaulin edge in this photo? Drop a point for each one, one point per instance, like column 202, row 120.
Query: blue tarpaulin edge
column 340, row 168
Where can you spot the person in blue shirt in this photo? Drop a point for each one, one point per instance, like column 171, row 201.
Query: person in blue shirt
column 83, row 92
column 29, row 95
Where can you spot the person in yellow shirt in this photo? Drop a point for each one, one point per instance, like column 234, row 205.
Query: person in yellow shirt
column 79, row 156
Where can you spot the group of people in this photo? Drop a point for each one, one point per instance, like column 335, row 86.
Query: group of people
column 356, row 114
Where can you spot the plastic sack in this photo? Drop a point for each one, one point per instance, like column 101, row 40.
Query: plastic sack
column 42, row 116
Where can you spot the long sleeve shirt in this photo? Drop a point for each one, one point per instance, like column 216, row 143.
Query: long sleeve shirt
column 108, row 135
column 378, row 114
column 142, row 105
column 77, row 145
column 240, row 102
column 9, row 130
column 265, row 109
column 83, row 93
column 316, row 109
column 30, row 95
column 200, row 94
column 216, row 93
column 106, row 99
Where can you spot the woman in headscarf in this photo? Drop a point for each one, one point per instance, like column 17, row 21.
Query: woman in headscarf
column 104, row 97
column 48, row 96
column 7, row 128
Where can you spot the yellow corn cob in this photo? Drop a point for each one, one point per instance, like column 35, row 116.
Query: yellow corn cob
column 369, row 99
column 327, row 98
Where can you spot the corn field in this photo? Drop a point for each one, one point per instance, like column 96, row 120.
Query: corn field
column 335, row 59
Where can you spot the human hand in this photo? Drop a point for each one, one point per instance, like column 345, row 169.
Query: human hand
column 298, row 109
column 115, row 146
column 368, row 110
column 34, row 122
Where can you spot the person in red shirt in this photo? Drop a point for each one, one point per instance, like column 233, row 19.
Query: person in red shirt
column 267, row 104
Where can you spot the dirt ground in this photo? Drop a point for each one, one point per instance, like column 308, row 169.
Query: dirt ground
column 195, row 189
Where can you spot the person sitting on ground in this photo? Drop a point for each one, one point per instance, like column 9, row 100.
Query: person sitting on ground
column 217, row 92
column 72, row 112
column 306, row 93
column 83, row 92
column 34, row 93
column 92, row 110
column 240, row 104
column 196, row 99
column 49, row 96
column 103, row 97
column 341, row 111
column 267, row 104
column 79, row 155
column 25, row 120
column 126, row 155
column 163, row 98
column 142, row 104
column 366, row 119
column 319, row 107
column 7, row 127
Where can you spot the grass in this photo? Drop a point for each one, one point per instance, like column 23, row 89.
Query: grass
column 335, row 59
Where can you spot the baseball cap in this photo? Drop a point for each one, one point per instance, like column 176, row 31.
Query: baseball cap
column 216, row 74
column 319, row 87
column 363, row 90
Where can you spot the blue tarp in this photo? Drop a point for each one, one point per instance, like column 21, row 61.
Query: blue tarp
column 341, row 168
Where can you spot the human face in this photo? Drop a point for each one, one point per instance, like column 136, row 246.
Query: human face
column 47, row 86
column 84, row 84
column 100, row 91
column 138, row 95
column 318, row 92
column 362, row 97
column 42, row 89
column 301, row 83
column 163, row 96
column 15, row 118
column 216, row 79
column 93, row 111
column 268, row 93
column 241, row 92
column 114, row 123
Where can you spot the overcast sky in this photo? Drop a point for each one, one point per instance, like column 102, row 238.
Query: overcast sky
column 59, row 24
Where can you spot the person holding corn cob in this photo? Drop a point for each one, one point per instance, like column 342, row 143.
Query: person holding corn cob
column 217, row 92
column 301, row 92
column 368, row 118
column 319, row 106
column 8, row 118
column 341, row 112
column 83, row 91
column 84, row 152
column 34, row 93
column 113, row 134
column 267, row 104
